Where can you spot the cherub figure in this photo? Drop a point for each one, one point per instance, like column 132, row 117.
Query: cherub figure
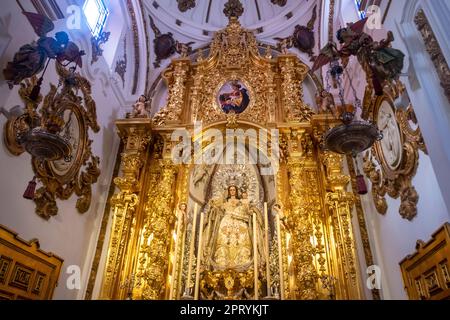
column 325, row 103
column 284, row 44
column 244, row 197
column 183, row 49
column 140, row 108
column 183, row 213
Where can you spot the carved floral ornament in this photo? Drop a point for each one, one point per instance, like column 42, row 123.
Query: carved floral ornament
column 391, row 164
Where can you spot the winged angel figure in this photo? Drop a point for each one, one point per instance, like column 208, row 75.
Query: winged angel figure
column 32, row 58
column 378, row 58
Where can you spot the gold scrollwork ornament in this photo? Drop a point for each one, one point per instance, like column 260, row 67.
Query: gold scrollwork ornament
column 392, row 163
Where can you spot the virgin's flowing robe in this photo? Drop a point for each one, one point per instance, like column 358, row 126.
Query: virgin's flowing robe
column 228, row 236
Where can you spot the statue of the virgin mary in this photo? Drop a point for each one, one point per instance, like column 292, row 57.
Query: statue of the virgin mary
column 228, row 234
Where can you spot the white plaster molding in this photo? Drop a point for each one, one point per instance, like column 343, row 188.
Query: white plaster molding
column 430, row 104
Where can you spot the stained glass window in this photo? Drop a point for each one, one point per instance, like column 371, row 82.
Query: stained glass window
column 96, row 14
column 361, row 11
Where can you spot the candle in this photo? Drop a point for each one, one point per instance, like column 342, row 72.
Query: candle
column 280, row 257
column 255, row 256
column 176, row 242
column 191, row 249
column 183, row 242
column 266, row 244
column 208, row 230
column 199, row 255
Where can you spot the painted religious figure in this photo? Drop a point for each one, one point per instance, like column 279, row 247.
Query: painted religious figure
column 228, row 233
column 391, row 143
column 234, row 97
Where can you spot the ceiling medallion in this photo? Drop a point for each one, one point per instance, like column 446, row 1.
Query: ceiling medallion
column 165, row 45
column 302, row 38
column 185, row 5
column 233, row 8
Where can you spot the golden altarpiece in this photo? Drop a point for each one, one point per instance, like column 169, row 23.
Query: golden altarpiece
column 225, row 230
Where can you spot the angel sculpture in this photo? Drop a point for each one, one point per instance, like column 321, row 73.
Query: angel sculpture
column 325, row 103
column 140, row 108
column 32, row 58
column 283, row 44
column 378, row 59
column 183, row 49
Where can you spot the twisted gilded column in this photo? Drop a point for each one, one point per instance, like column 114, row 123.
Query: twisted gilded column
column 299, row 223
column 340, row 205
column 135, row 134
column 157, row 233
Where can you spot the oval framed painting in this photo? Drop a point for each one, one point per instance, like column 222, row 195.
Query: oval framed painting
column 233, row 97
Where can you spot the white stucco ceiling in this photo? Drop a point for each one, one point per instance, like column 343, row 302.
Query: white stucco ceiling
column 259, row 14
column 256, row 13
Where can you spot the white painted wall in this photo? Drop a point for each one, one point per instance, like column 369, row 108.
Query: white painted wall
column 70, row 235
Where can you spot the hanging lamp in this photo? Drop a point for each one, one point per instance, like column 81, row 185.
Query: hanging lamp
column 353, row 136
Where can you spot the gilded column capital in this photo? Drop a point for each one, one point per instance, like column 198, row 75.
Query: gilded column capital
column 295, row 163
column 136, row 133
column 121, row 198
column 340, row 198
column 333, row 163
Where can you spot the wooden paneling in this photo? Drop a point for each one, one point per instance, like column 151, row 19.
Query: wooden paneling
column 426, row 273
column 26, row 272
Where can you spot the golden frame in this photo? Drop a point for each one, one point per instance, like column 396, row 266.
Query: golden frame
column 247, row 86
column 396, row 182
